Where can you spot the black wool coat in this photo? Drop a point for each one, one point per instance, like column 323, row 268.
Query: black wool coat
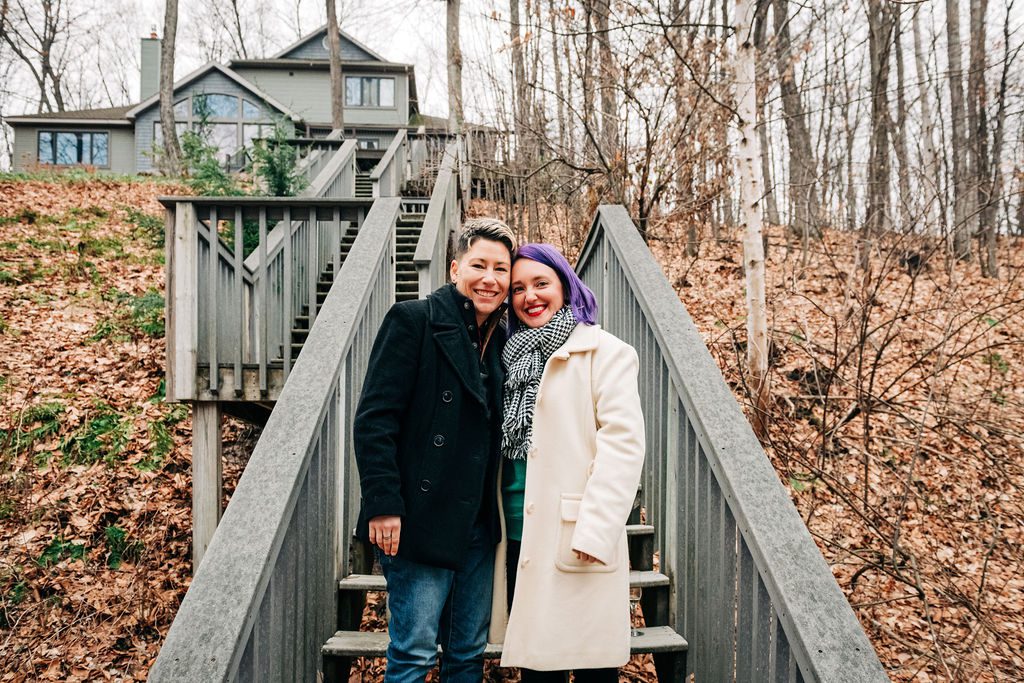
column 427, row 431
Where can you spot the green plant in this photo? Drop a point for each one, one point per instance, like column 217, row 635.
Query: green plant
column 59, row 549
column 275, row 162
column 119, row 548
column 146, row 225
column 133, row 316
column 101, row 437
column 997, row 363
column 204, row 173
column 35, row 423
column 161, row 436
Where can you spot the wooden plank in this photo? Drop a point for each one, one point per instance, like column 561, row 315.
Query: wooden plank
column 312, row 265
column 206, row 476
column 745, row 612
column 212, row 286
column 243, row 322
column 375, row 643
column 183, row 304
column 263, row 307
column 287, row 317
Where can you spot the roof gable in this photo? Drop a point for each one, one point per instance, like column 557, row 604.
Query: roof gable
column 312, row 46
column 204, row 71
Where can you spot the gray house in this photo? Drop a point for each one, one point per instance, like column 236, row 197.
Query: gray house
column 237, row 102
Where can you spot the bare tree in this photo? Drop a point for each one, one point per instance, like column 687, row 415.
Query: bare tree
column 803, row 172
column 978, row 136
column 39, row 34
column 963, row 195
column 876, row 220
column 172, row 150
column 751, row 184
column 929, row 176
column 337, row 78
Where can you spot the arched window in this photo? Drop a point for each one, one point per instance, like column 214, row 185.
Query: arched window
column 229, row 122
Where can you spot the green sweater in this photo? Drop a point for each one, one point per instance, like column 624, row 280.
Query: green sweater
column 513, row 490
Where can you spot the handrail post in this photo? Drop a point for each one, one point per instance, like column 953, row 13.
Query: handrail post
column 182, row 302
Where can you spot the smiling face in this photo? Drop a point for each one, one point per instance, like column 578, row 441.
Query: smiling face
column 536, row 292
column 481, row 274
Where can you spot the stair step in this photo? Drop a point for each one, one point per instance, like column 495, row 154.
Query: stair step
column 349, row 644
column 377, row 582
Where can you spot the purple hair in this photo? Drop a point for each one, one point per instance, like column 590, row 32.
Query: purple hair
column 580, row 297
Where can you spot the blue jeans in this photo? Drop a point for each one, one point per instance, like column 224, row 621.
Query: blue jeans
column 431, row 606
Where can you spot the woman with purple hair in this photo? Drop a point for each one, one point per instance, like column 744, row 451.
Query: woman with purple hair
column 573, row 449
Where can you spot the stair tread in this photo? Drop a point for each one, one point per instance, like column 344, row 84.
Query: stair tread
column 375, row 643
column 377, row 582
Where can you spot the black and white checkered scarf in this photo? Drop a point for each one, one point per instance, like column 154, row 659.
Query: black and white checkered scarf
column 524, row 357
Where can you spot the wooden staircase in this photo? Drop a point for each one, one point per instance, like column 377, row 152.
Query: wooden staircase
column 364, row 187
column 407, row 235
column 656, row 637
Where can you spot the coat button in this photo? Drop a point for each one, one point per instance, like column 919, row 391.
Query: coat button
column 438, row 440
column 425, row 485
column 467, row 305
column 533, row 451
column 529, row 509
column 447, row 396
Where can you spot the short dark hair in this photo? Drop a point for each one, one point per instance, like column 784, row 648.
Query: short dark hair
column 484, row 229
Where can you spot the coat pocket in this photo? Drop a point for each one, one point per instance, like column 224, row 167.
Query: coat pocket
column 565, row 558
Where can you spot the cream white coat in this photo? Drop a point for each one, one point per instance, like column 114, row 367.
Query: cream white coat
column 582, row 472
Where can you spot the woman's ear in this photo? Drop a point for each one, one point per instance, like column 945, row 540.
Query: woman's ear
column 453, row 271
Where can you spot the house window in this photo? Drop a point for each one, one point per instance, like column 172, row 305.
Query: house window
column 67, row 148
column 368, row 143
column 369, row 91
column 228, row 122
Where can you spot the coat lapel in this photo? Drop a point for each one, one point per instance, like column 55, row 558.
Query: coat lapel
column 583, row 338
column 451, row 339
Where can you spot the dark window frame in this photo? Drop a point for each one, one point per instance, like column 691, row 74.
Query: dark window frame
column 79, row 134
column 375, row 91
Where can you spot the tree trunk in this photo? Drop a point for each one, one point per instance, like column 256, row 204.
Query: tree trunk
column 900, row 133
column 608, row 82
column 172, row 150
column 992, row 208
column 880, row 27
column 337, row 77
column 803, row 174
column 750, row 210
column 455, row 115
column 963, row 205
column 977, row 117
column 560, row 98
column 929, row 177
column 771, row 205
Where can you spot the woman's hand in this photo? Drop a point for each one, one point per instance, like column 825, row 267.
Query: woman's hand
column 384, row 533
column 583, row 557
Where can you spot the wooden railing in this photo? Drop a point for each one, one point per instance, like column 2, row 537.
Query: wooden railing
column 444, row 213
column 229, row 323
column 314, row 153
column 389, row 174
column 753, row 595
column 263, row 601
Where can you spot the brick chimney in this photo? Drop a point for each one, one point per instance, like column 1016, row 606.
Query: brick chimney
column 149, row 81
